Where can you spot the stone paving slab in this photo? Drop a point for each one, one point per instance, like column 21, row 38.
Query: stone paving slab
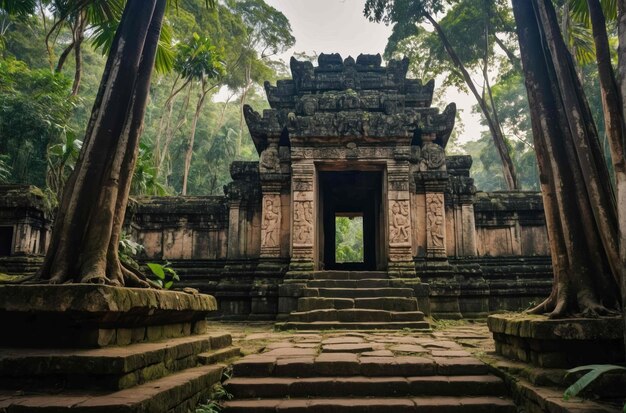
column 448, row 350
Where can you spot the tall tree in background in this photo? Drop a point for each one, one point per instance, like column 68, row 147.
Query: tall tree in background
column 85, row 238
column 198, row 62
column 408, row 13
column 580, row 208
column 268, row 33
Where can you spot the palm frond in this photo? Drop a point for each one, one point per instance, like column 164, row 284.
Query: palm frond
column 165, row 52
column 580, row 41
column 18, row 7
column 580, row 11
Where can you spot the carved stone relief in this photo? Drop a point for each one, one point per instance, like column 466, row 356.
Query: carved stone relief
column 270, row 227
column 433, row 157
column 400, row 225
column 342, row 153
column 303, row 222
column 302, row 186
column 270, row 162
column 435, row 220
column 399, row 185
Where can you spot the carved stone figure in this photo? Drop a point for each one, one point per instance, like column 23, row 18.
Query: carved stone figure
column 270, row 162
column 433, row 157
column 400, row 227
column 270, row 228
column 435, row 221
column 303, row 222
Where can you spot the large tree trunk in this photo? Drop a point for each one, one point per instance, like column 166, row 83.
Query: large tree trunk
column 85, row 237
column 508, row 168
column 580, row 209
column 620, row 174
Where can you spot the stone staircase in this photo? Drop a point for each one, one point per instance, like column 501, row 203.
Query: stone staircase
column 355, row 300
column 367, row 373
column 169, row 375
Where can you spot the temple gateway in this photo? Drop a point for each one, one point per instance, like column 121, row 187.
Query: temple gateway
column 346, row 138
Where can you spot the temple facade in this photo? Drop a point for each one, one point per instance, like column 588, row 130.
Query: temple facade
column 347, row 138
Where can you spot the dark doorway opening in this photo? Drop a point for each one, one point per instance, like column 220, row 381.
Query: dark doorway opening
column 351, row 198
column 6, row 241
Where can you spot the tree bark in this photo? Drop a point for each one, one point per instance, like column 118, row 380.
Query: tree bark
column 78, row 51
column 192, row 135
column 85, row 237
column 64, row 56
column 508, row 168
column 620, row 175
column 577, row 195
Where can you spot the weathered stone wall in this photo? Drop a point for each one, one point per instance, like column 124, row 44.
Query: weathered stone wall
column 180, row 228
column 496, row 244
column 510, row 224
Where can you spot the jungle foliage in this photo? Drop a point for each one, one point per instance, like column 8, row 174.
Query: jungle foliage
column 210, row 61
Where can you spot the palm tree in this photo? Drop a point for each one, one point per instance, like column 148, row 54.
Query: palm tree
column 98, row 21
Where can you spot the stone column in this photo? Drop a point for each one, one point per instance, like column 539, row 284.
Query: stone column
column 435, row 222
column 434, row 179
column 271, row 223
column 233, row 228
column 271, row 219
column 303, row 216
column 400, row 262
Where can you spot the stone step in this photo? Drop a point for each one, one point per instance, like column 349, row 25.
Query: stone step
column 365, row 283
column 349, row 275
column 374, row 405
column 355, row 315
column 270, row 387
column 376, row 303
column 337, row 325
column 349, row 364
column 111, row 368
column 357, row 292
column 177, row 393
column 218, row 356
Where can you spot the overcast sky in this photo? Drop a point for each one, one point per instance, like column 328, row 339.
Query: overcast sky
column 338, row 26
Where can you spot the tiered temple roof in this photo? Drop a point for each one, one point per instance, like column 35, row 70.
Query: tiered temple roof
column 346, row 98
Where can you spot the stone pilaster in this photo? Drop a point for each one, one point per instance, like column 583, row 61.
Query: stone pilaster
column 435, row 225
column 432, row 180
column 270, row 225
column 303, row 216
column 234, row 206
column 400, row 262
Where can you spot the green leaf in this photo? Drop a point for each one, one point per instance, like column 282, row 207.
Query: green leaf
column 157, row 269
column 596, row 371
column 168, row 285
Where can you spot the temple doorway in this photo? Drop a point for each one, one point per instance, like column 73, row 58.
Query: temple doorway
column 351, row 231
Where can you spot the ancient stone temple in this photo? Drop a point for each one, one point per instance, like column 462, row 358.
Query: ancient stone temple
column 349, row 138
column 352, row 137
